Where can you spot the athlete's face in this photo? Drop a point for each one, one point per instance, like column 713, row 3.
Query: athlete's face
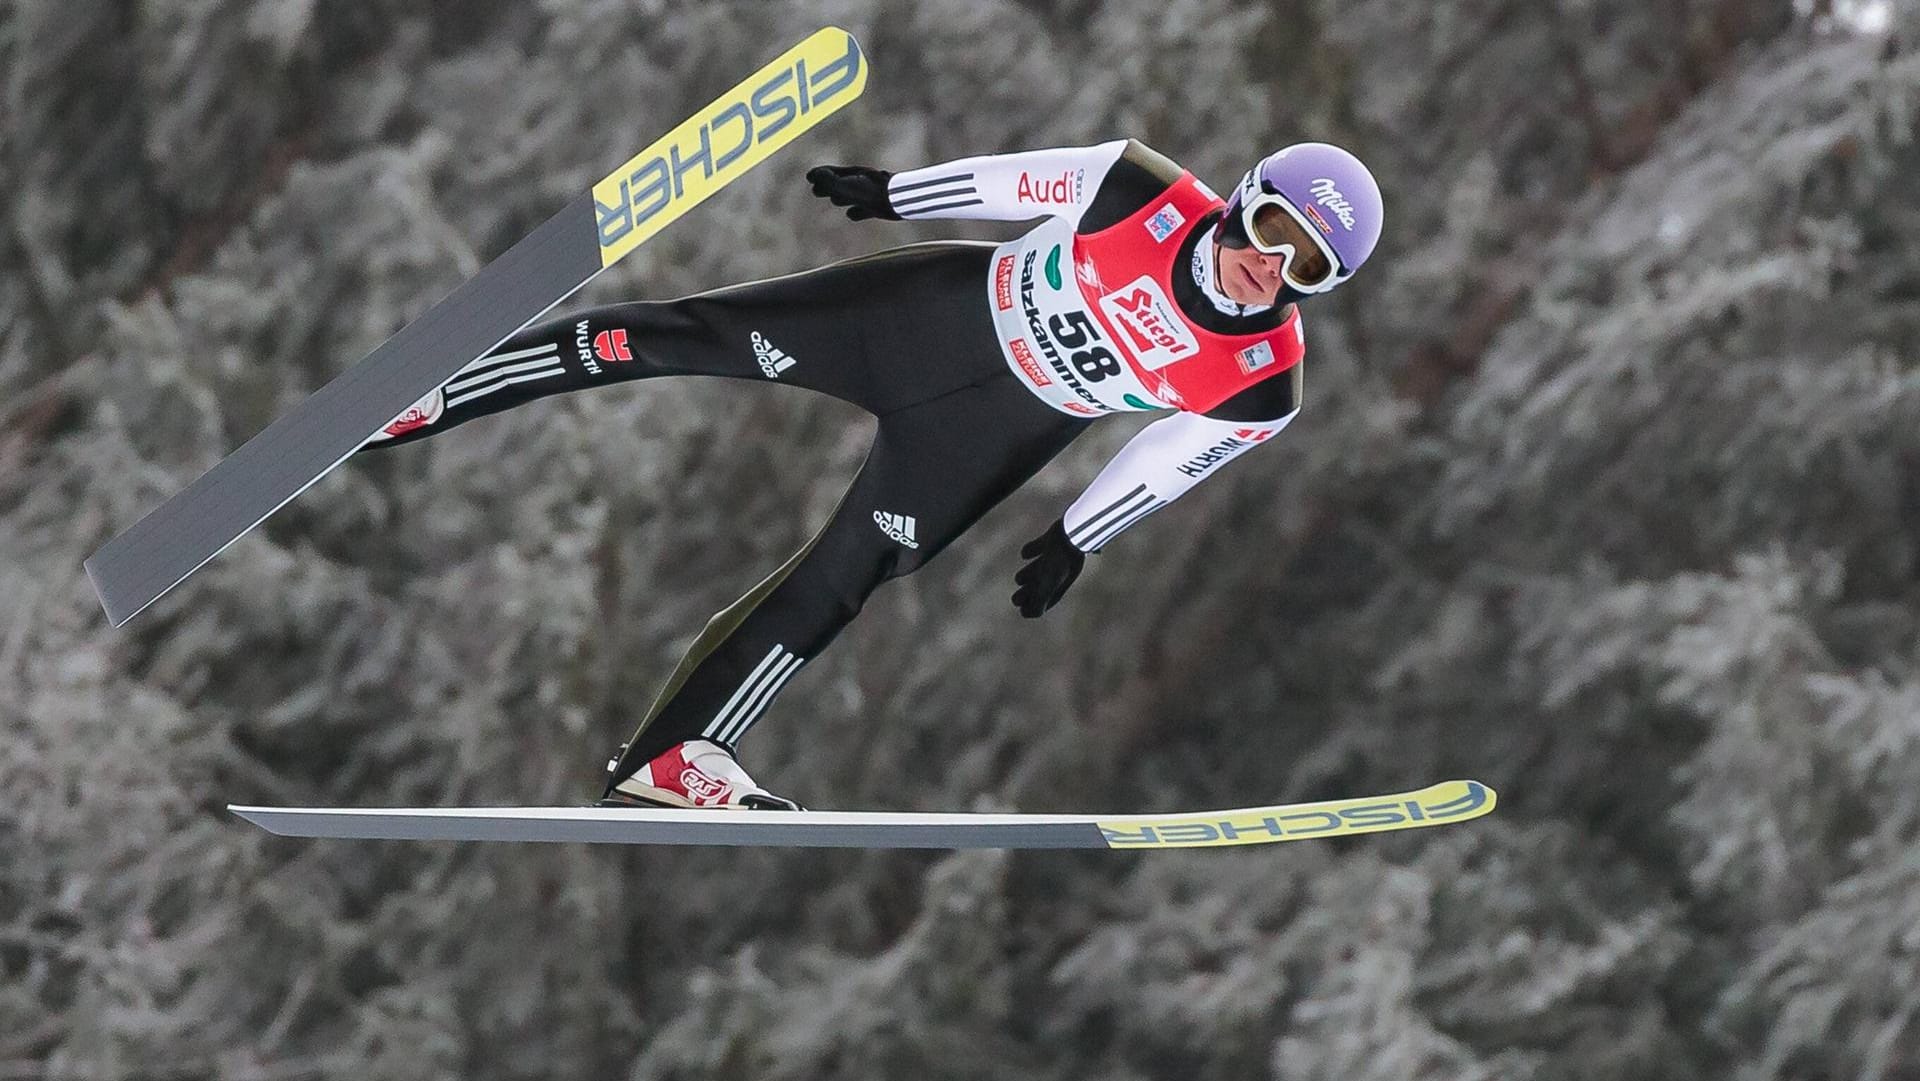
column 1248, row 276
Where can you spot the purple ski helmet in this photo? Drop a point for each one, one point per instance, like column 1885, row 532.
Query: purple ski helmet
column 1327, row 193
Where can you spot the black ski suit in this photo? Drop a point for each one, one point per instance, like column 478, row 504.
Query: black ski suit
column 903, row 334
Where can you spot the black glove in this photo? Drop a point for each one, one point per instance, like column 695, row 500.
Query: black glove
column 861, row 190
column 1055, row 564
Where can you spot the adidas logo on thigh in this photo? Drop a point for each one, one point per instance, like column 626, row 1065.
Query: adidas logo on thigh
column 772, row 360
column 898, row 526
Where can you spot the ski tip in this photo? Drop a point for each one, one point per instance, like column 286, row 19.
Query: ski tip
column 1435, row 805
column 1492, row 797
column 830, row 34
column 1452, row 801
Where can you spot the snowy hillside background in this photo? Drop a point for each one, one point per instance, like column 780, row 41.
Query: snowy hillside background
column 1604, row 493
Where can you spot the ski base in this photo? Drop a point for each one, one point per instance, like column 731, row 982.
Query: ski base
column 1439, row 804
column 805, row 85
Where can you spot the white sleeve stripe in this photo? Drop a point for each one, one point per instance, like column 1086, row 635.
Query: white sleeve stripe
column 488, row 388
column 1126, row 524
column 928, row 197
column 468, row 380
column 1117, row 505
column 1126, row 515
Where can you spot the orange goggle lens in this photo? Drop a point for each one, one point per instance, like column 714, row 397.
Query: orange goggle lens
column 1275, row 229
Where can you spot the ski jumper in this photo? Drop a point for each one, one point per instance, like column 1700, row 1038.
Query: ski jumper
column 981, row 364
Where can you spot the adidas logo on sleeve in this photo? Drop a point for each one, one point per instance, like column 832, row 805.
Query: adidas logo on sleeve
column 898, row 526
column 772, row 360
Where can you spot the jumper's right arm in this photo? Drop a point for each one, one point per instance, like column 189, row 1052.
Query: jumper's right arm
column 1090, row 187
column 1007, row 187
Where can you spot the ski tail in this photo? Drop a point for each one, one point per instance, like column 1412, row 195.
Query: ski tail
column 769, row 109
column 268, row 471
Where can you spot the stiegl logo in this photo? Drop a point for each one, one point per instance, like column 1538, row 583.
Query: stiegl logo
column 772, row 360
column 898, row 526
column 1148, row 327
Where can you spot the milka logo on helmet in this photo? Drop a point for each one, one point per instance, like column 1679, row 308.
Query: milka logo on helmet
column 772, row 360
column 1328, row 195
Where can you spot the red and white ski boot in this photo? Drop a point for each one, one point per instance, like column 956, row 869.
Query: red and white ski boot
column 697, row 773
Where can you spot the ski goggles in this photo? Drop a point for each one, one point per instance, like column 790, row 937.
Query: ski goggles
column 1276, row 227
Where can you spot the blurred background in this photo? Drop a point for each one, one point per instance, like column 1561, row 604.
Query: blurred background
column 1603, row 494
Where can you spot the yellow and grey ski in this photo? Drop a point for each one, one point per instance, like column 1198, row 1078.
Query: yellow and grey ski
column 1437, row 805
column 741, row 128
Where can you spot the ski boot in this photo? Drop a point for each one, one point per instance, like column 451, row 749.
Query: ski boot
column 697, row 773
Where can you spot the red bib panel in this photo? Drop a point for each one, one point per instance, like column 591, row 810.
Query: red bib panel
column 1126, row 274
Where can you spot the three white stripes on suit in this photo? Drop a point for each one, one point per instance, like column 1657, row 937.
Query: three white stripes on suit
column 489, row 374
column 752, row 696
column 502, row 370
column 756, row 692
column 1113, row 519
